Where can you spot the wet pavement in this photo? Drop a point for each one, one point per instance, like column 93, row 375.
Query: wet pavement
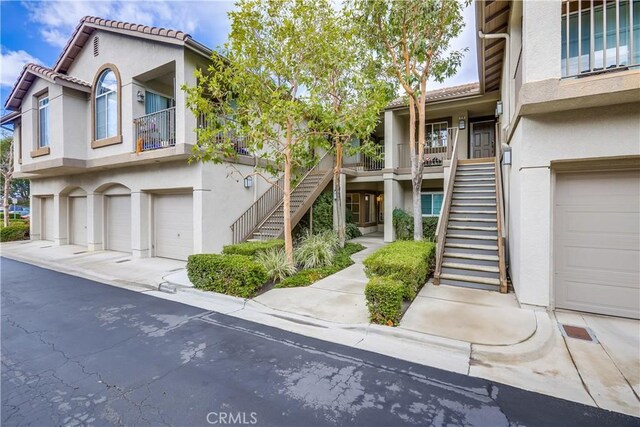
column 77, row 352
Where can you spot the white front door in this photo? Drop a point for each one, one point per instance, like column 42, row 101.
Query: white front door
column 173, row 225
column 118, row 223
column 78, row 220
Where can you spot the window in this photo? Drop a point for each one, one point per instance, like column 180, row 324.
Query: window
column 106, row 105
column 43, row 122
column 432, row 203
column 353, row 204
column 154, row 102
column 599, row 38
column 437, row 134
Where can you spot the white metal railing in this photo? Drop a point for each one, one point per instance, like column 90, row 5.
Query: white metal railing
column 439, row 148
column 364, row 162
column 155, row 130
column 240, row 145
column 599, row 35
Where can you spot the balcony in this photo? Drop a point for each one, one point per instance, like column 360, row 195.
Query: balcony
column 240, row 145
column 438, row 149
column 156, row 130
column 364, row 162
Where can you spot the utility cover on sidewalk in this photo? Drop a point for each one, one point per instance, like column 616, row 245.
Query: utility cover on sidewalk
column 578, row 332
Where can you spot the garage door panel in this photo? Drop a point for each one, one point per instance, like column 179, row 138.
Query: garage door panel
column 47, row 218
column 593, row 297
column 119, row 223
column 173, row 225
column 78, row 220
column 597, row 242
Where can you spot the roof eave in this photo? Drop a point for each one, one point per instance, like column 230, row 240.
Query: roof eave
column 10, row 118
column 480, row 42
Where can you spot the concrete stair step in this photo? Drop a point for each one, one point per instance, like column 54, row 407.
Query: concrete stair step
column 465, row 168
column 476, row 173
column 474, row 267
column 473, row 197
column 471, row 246
column 471, row 227
column 467, row 219
column 464, row 211
column 488, row 205
column 473, row 186
column 470, row 285
column 471, row 279
column 471, row 256
column 471, row 237
column 473, row 179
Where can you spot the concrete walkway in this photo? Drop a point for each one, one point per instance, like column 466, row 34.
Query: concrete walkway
column 479, row 333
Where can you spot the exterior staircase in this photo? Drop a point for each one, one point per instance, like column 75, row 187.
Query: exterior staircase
column 264, row 220
column 472, row 248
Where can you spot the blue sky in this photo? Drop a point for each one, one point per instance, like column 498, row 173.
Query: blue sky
column 36, row 31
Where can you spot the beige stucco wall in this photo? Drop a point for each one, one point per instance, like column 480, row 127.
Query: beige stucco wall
column 537, row 141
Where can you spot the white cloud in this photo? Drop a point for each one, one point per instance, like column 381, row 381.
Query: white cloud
column 12, row 64
column 206, row 21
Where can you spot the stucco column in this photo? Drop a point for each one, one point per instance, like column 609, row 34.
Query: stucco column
column 204, row 218
column 36, row 217
column 389, row 144
column 60, row 220
column 393, row 198
column 140, row 215
column 95, row 208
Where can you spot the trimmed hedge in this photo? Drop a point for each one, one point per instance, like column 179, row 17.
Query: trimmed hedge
column 341, row 260
column 407, row 261
column 403, row 224
column 14, row 232
column 251, row 248
column 384, row 300
column 11, row 215
column 237, row 275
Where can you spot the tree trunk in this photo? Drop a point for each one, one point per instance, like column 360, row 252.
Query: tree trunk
column 416, row 172
column 5, row 202
column 338, row 208
column 416, row 175
column 286, row 196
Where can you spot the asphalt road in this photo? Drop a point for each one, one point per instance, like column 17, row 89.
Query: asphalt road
column 77, row 352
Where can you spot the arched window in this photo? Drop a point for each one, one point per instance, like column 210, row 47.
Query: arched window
column 106, row 105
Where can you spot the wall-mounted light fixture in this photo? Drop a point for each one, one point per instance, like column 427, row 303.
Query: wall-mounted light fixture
column 461, row 122
column 506, row 156
column 499, row 108
column 140, row 96
column 248, row 182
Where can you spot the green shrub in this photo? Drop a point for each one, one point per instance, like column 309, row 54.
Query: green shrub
column 14, row 232
column 252, row 248
column 403, row 224
column 317, row 250
column 408, row 261
column 11, row 215
column 341, row 260
column 275, row 262
column 237, row 275
column 352, row 231
column 384, row 300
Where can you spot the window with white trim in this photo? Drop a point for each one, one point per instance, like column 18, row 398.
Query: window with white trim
column 437, row 134
column 106, row 105
column 43, row 122
column 432, row 203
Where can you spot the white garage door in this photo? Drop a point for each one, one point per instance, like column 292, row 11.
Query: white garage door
column 118, row 223
column 47, row 214
column 78, row 220
column 173, row 225
column 597, row 242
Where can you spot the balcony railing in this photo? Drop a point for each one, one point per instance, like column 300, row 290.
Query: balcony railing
column 240, row 145
column 155, row 130
column 438, row 149
column 599, row 35
column 363, row 162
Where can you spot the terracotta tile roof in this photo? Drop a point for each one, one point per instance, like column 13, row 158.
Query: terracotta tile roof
column 145, row 29
column 27, row 77
column 442, row 94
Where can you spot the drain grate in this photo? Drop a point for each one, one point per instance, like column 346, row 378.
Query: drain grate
column 578, row 332
column 122, row 260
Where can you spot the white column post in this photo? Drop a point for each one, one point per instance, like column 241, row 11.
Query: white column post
column 393, row 198
column 36, row 217
column 95, row 209
column 140, row 224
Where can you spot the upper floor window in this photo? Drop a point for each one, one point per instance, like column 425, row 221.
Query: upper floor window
column 437, row 134
column 43, row 122
column 106, row 105
column 599, row 35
